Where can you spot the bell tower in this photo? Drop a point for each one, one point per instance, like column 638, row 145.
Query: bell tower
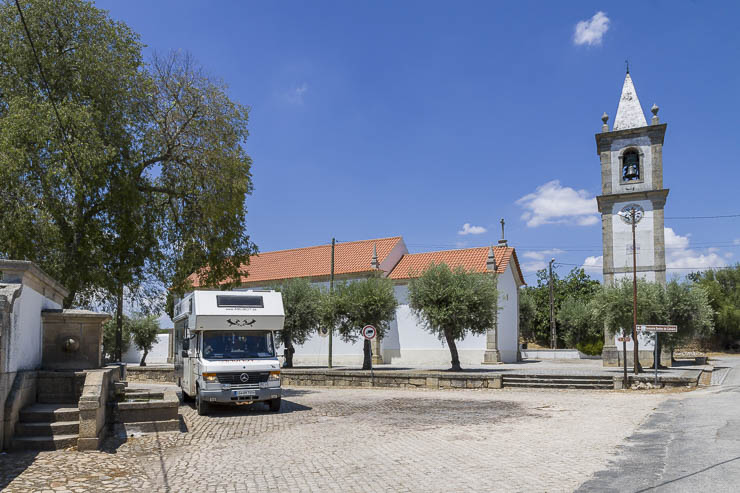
column 632, row 177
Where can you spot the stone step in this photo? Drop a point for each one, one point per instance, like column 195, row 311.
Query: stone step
column 56, row 442
column 605, row 378
column 47, row 429
column 143, row 394
column 559, row 380
column 561, row 385
column 49, row 413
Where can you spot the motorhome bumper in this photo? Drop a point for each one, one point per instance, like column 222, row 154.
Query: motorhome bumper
column 240, row 395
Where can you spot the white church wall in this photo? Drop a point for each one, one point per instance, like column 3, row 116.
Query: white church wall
column 158, row 354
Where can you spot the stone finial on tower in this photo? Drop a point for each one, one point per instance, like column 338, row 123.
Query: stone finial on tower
column 654, row 110
column 605, row 119
column 374, row 262
column 502, row 241
column 491, row 261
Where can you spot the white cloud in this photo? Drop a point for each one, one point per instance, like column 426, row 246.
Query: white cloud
column 593, row 264
column 552, row 203
column 591, row 32
column 295, row 95
column 468, row 229
column 537, row 259
column 679, row 256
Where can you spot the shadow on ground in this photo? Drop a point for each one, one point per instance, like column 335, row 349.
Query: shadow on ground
column 12, row 465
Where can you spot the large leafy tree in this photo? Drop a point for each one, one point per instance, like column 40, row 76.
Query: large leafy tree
column 115, row 174
column 453, row 303
column 534, row 320
column 302, row 303
column 356, row 304
column 723, row 289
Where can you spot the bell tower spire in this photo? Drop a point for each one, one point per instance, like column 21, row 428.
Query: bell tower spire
column 629, row 111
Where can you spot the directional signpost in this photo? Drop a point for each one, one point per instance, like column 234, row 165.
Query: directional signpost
column 657, row 329
column 369, row 332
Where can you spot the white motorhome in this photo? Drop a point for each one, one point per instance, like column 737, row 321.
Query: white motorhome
column 225, row 350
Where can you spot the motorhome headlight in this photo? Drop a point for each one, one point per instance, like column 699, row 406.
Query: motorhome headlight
column 274, row 375
column 209, row 377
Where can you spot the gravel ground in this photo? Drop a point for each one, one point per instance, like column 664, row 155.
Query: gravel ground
column 361, row 440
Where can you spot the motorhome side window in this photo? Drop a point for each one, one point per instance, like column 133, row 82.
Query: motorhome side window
column 240, row 301
column 225, row 344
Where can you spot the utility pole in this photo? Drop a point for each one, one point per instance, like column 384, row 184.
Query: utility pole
column 633, row 220
column 331, row 293
column 553, row 335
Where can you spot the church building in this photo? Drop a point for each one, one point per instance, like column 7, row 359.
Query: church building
column 631, row 156
column 406, row 343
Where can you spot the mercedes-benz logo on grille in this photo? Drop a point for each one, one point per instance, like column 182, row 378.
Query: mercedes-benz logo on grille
column 244, row 377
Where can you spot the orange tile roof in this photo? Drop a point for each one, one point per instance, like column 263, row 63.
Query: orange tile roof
column 472, row 259
column 352, row 257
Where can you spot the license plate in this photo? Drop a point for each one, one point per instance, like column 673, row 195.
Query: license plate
column 243, row 393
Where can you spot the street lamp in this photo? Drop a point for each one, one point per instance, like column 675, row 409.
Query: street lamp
column 632, row 214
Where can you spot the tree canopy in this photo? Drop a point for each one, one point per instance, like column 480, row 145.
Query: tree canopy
column 677, row 303
column 302, row 303
column 359, row 303
column 571, row 294
column 452, row 303
column 115, row 171
column 723, row 289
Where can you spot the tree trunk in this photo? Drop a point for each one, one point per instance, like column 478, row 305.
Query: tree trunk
column 143, row 358
column 289, row 350
column 453, row 352
column 119, row 324
column 367, row 359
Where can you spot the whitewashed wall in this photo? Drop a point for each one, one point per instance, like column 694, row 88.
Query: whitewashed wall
column 622, row 240
column 26, row 333
column 158, row 354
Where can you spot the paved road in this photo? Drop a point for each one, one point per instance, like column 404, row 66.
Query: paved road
column 691, row 443
column 358, row 441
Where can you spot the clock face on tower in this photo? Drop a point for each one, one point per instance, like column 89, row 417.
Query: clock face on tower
column 626, row 213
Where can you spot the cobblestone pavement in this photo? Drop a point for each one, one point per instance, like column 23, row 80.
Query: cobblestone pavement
column 360, row 440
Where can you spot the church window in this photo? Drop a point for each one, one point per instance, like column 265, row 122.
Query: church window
column 631, row 166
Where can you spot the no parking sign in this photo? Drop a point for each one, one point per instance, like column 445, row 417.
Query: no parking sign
column 369, row 332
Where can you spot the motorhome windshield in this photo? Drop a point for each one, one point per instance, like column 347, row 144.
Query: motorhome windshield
column 225, row 344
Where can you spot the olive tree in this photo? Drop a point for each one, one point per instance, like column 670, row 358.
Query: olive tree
column 144, row 329
column 364, row 302
column 677, row 303
column 302, row 304
column 453, row 303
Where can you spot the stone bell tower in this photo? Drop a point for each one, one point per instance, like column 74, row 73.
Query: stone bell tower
column 631, row 178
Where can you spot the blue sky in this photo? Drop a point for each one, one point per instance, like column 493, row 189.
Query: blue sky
column 374, row 119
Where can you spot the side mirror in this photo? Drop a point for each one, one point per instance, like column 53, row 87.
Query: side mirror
column 186, row 345
column 185, row 354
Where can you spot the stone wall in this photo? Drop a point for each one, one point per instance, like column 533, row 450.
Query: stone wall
column 73, row 339
column 399, row 379
column 161, row 374
column 21, row 394
column 94, row 409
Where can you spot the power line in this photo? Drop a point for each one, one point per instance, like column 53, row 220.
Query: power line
column 667, row 268
column 704, row 217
